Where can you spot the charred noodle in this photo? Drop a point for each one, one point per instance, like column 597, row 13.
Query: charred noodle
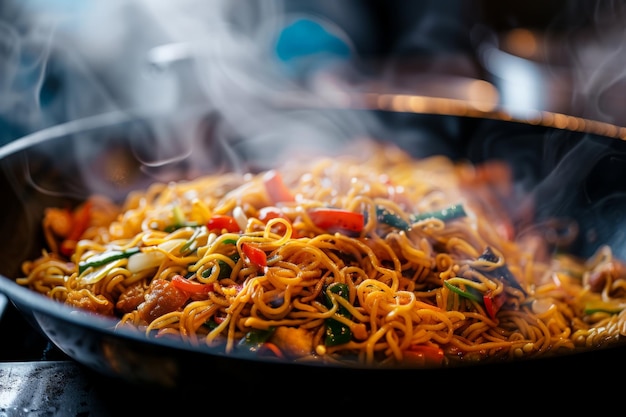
column 388, row 261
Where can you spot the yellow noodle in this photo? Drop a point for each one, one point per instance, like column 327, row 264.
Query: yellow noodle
column 381, row 284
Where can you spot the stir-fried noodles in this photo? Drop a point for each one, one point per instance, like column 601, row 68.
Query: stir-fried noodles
column 389, row 261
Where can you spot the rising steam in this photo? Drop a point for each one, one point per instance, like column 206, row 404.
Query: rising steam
column 65, row 61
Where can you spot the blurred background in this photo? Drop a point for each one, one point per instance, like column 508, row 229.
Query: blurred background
column 62, row 60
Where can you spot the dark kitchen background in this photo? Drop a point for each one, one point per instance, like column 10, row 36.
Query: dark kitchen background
column 63, row 61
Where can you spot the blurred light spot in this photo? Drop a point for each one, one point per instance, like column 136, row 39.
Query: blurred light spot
column 482, row 95
column 164, row 55
column 521, row 42
column 560, row 121
column 307, row 45
column 418, row 104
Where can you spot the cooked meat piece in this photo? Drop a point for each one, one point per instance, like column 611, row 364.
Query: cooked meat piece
column 131, row 298
column 294, row 342
column 161, row 298
column 85, row 301
column 608, row 272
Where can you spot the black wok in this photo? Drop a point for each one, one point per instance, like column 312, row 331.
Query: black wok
column 575, row 172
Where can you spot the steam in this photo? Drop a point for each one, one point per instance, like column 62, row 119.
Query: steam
column 62, row 61
column 160, row 57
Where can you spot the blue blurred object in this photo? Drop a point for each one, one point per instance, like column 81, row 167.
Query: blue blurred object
column 307, row 45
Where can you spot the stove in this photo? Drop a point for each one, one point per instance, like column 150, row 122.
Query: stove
column 36, row 378
column 39, row 380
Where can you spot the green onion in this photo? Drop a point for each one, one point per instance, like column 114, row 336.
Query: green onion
column 448, row 213
column 179, row 220
column 191, row 240
column 105, row 258
column 592, row 307
column 462, row 293
column 225, row 269
column 383, row 215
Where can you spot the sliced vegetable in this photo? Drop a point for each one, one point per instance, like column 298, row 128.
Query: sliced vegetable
column 179, row 220
column 254, row 340
column 448, row 213
column 255, row 255
column 95, row 275
column 193, row 287
column 599, row 306
column 240, row 217
column 493, row 303
column 337, row 220
column 424, row 355
column 385, row 216
column 337, row 333
column 463, row 293
column 500, row 272
column 105, row 258
column 151, row 257
column 276, row 189
column 220, row 222
column 190, row 243
column 225, row 269
column 210, row 323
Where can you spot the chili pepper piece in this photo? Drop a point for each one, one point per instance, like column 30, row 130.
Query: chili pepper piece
column 493, row 303
column 335, row 219
column 193, row 287
column 255, row 255
column 276, row 188
column 221, row 222
column 424, row 355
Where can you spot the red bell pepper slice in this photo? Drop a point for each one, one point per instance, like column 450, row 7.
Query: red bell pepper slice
column 334, row 219
column 276, row 188
column 255, row 255
column 223, row 221
column 493, row 303
column 193, row 287
column 424, row 355
column 268, row 213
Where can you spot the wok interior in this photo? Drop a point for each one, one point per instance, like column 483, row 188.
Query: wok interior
column 566, row 174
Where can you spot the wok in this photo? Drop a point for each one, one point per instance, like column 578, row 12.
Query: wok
column 566, row 171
